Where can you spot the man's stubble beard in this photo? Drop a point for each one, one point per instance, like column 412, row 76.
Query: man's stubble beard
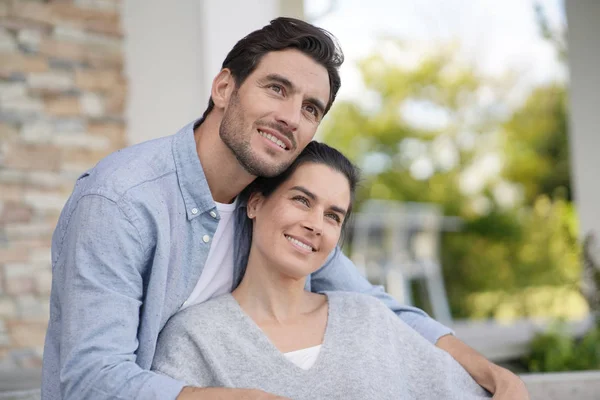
column 231, row 132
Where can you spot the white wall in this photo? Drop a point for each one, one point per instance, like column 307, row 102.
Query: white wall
column 584, row 64
column 173, row 50
column 227, row 21
column 163, row 63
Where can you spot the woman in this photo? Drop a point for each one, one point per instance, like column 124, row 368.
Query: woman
column 271, row 334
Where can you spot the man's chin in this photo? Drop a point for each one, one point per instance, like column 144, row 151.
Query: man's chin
column 266, row 170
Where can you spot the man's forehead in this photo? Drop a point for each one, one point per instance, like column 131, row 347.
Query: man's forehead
column 298, row 68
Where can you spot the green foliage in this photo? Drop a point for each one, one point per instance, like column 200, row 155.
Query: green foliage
column 511, row 252
column 556, row 351
column 536, row 144
column 440, row 83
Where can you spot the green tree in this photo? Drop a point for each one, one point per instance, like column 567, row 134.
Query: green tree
column 536, row 145
column 384, row 136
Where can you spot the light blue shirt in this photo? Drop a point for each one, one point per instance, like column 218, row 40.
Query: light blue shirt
column 128, row 250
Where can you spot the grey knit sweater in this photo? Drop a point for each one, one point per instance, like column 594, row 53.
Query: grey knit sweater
column 367, row 353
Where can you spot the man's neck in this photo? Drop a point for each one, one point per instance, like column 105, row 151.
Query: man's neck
column 226, row 178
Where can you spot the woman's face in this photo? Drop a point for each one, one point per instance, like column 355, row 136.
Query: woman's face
column 300, row 223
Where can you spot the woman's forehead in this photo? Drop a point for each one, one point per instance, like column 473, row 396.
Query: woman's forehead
column 321, row 180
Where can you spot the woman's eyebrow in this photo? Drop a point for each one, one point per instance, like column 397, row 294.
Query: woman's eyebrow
column 313, row 196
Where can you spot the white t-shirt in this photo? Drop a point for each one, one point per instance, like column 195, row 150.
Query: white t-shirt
column 304, row 358
column 217, row 276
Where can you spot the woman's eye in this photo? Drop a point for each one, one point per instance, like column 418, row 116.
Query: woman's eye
column 334, row 217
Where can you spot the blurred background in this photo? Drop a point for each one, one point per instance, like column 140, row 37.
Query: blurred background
column 474, row 123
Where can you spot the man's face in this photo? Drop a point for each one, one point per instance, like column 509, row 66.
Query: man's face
column 275, row 113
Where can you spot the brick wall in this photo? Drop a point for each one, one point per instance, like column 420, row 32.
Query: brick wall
column 62, row 94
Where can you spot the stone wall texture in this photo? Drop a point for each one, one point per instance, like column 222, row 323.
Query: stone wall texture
column 62, row 97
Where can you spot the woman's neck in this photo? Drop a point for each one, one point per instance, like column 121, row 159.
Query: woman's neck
column 268, row 295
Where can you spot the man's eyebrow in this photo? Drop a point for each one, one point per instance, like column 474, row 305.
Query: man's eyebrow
column 310, row 194
column 292, row 88
column 283, row 80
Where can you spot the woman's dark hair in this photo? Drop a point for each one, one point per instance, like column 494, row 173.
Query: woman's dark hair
column 317, row 153
column 285, row 33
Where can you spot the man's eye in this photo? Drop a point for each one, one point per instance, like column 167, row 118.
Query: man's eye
column 276, row 88
column 301, row 199
column 312, row 109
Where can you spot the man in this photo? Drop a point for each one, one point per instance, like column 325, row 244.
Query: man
column 154, row 228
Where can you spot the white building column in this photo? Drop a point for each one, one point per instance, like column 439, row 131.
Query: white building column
column 173, row 50
column 584, row 63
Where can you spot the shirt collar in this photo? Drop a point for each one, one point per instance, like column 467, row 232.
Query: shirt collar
column 190, row 175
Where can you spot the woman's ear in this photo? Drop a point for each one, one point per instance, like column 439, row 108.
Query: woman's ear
column 254, row 202
column 222, row 87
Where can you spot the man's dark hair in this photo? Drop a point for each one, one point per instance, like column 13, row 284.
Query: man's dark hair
column 285, row 33
column 317, row 153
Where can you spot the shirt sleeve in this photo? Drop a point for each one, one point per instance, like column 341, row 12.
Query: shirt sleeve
column 98, row 288
column 339, row 273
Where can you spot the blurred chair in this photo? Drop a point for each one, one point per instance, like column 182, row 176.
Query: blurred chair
column 396, row 244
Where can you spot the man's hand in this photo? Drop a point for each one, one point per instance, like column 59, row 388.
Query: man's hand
column 194, row 393
column 508, row 386
column 502, row 383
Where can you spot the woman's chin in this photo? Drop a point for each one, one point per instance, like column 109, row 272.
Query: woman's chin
column 296, row 272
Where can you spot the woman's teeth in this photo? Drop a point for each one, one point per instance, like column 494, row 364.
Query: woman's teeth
column 299, row 243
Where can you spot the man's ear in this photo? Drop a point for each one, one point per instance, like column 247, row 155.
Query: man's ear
column 222, row 87
column 254, row 203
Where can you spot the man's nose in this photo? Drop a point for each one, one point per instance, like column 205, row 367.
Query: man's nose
column 289, row 113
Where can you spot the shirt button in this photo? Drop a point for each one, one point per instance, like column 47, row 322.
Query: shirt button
column 213, row 214
column 194, row 211
column 205, row 238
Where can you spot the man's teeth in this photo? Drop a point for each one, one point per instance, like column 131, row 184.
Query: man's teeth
column 299, row 243
column 272, row 139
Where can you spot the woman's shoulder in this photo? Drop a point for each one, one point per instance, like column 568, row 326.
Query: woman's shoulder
column 203, row 316
column 354, row 297
column 353, row 304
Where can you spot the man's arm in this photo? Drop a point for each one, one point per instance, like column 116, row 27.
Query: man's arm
column 497, row 380
column 194, row 393
column 98, row 287
column 339, row 273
